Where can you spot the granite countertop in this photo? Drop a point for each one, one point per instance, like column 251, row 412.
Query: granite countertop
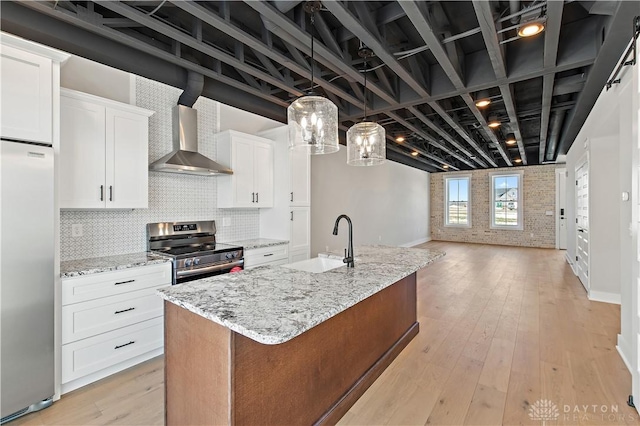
column 95, row 265
column 257, row 243
column 274, row 304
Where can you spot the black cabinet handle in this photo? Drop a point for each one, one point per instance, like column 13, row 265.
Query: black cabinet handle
column 291, row 216
column 267, row 255
column 101, row 192
column 256, row 197
column 124, row 282
column 253, row 197
column 292, row 197
column 126, row 344
column 110, row 193
column 124, row 310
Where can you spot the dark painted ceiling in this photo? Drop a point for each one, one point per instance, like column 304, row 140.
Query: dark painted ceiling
column 431, row 59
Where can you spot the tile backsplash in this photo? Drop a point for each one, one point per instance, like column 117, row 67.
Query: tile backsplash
column 172, row 197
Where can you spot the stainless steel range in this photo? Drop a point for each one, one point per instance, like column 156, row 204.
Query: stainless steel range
column 194, row 249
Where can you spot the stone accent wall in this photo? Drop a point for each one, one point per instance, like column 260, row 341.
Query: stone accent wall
column 538, row 197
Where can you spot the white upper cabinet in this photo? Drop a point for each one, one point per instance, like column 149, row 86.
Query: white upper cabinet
column 103, row 153
column 300, row 195
column 251, row 159
column 26, row 84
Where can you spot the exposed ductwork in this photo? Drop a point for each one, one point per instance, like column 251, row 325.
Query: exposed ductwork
column 514, row 7
column 558, row 119
column 185, row 157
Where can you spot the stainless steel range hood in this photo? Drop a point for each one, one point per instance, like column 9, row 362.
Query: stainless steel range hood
column 185, row 157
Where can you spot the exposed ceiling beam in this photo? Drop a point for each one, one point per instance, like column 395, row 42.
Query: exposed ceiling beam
column 415, row 12
column 401, row 156
column 73, row 19
column 262, row 48
column 620, row 32
column 484, row 13
column 371, row 40
column 551, row 40
column 194, row 43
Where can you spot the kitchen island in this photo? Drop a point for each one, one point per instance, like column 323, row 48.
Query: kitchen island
column 275, row 345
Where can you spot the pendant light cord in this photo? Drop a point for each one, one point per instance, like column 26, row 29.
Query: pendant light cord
column 313, row 26
column 365, row 90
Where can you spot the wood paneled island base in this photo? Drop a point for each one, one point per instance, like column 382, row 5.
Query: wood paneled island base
column 216, row 376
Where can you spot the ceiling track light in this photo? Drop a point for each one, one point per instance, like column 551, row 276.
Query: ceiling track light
column 366, row 140
column 313, row 119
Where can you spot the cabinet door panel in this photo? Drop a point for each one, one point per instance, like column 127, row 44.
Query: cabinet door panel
column 300, row 226
column 243, row 172
column 82, row 154
column 27, row 97
column 126, row 160
column 299, row 163
column 263, row 155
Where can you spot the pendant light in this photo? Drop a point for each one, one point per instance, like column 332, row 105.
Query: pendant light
column 366, row 140
column 313, row 119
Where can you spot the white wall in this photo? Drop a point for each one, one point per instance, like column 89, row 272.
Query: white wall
column 388, row 204
column 608, row 134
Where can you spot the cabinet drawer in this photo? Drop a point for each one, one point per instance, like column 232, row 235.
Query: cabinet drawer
column 96, row 353
column 86, row 319
column 89, row 287
column 265, row 255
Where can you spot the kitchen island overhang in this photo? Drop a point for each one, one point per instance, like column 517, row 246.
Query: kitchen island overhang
column 278, row 346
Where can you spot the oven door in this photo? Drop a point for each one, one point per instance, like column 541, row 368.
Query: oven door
column 193, row 274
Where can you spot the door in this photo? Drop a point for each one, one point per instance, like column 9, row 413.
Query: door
column 561, row 206
column 27, row 275
column 299, row 162
column 127, row 172
column 27, row 97
column 243, row 163
column 82, row 154
column 582, row 222
column 263, row 178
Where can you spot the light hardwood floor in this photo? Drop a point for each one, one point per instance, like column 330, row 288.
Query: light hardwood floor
column 500, row 328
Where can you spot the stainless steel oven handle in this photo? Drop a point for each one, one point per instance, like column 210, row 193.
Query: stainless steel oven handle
column 214, row 268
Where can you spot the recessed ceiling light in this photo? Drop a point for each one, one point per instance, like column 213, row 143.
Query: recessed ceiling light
column 518, row 160
column 400, row 139
column 414, row 153
column 482, row 99
column 493, row 122
column 444, row 166
column 511, row 139
column 530, row 29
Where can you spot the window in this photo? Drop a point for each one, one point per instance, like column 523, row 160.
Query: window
column 506, row 201
column 457, row 201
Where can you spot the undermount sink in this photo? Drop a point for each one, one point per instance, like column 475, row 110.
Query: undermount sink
column 316, row 265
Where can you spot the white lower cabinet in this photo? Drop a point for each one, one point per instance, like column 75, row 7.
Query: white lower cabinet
column 273, row 255
column 299, row 236
column 111, row 321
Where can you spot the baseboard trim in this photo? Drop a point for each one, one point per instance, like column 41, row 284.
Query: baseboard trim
column 570, row 262
column 603, row 296
column 416, row 242
column 619, row 347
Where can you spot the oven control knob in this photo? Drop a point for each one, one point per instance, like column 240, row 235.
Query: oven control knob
column 228, row 255
column 188, row 262
column 196, row 261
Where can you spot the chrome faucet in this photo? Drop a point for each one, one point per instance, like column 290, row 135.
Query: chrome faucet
column 348, row 253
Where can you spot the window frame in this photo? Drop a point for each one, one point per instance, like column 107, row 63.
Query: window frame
column 446, row 179
column 492, row 176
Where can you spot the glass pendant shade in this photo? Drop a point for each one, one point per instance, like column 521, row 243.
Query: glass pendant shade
column 366, row 144
column 313, row 125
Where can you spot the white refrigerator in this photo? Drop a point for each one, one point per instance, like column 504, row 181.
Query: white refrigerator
column 26, row 278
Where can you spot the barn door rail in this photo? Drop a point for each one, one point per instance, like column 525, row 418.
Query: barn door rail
column 630, row 51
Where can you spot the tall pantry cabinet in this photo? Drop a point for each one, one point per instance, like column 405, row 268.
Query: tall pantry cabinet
column 289, row 219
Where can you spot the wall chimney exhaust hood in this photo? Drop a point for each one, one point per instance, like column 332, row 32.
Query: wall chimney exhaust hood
column 185, row 157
